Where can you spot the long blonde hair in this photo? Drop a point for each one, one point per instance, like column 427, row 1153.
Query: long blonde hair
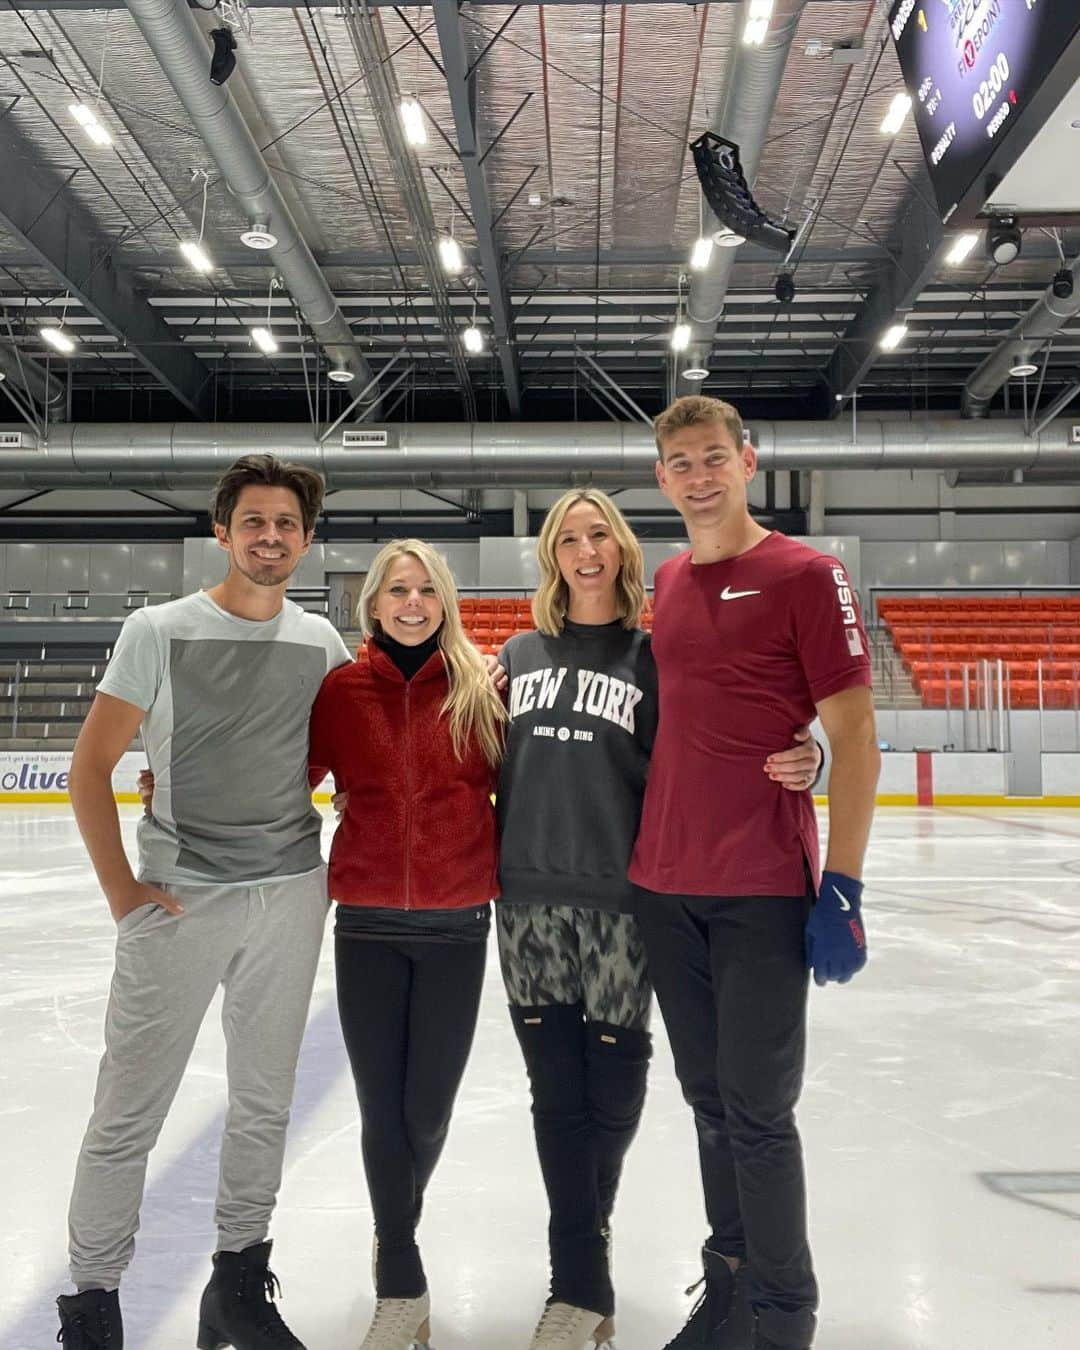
column 474, row 707
column 552, row 598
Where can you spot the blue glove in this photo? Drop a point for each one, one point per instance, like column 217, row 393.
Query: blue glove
column 835, row 937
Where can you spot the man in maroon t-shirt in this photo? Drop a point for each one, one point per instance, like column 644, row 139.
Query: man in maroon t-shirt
column 753, row 634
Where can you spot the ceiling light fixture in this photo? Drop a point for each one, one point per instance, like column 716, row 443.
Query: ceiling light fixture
column 1062, row 284
column 58, row 339
column 196, row 257
column 757, row 22
column 91, row 123
column 473, row 339
column 1023, row 369
column 451, row 256
column 695, row 373
column 264, row 339
column 680, row 337
column 339, row 375
column 701, row 253
column 412, row 119
column 893, row 337
column 962, row 248
column 894, row 119
column 259, row 237
column 1004, row 240
column 192, row 249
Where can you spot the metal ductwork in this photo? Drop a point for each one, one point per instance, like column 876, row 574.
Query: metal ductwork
column 540, row 454
column 26, row 376
column 751, row 88
column 173, row 34
column 1044, row 320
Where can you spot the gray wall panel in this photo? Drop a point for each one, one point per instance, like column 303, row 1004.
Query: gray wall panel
column 27, row 567
column 157, row 567
column 110, row 567
column 67, row 568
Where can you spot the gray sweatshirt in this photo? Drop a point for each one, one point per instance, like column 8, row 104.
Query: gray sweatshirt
column 583, row 710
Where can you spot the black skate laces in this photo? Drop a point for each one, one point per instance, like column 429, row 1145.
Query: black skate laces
column 78, row 1325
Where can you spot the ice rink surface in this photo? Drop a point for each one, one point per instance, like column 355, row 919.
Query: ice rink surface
column 941, row 1120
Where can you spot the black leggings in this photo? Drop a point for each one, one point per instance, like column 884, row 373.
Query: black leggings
column 408, row 1011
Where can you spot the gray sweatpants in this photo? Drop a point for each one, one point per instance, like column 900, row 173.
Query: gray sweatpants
column 262, row 944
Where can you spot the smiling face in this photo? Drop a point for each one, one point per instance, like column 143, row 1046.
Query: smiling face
column 265, row 537
column 704, row 474
column 407, row 605
column 587, row 555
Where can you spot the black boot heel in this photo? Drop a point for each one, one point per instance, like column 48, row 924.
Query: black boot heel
column 209, row 1339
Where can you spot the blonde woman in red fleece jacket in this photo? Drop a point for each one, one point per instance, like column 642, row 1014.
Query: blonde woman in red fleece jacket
column 412, row 732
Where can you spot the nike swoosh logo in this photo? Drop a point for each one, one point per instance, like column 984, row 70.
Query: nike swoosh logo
column 728, row 594
column 845, row 903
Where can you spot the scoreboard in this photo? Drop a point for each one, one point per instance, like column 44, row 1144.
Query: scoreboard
column 983, row 76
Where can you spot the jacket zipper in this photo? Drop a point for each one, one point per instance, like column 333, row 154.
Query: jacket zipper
column 408, row 796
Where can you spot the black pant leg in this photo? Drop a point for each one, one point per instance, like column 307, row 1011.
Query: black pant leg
column 759, row 981
column 444, row 1003
column 374, row 980
column 677, row 947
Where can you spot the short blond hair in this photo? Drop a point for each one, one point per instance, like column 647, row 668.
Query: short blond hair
column 552, row 598
column 694, row 410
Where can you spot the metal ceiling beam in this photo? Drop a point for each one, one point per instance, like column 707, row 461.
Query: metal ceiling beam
column 461, row 86
column 893, row 296
column 37, row 208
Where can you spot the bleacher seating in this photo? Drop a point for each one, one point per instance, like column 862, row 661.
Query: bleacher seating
column 46, row 694
column 938, row 636
column 490, row 620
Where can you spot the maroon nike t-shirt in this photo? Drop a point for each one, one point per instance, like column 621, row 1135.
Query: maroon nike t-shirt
column 744, row 649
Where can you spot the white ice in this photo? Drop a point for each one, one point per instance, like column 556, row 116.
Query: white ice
column 941, row 1120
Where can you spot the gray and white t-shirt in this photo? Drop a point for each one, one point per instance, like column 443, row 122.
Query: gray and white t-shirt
column 227, row 702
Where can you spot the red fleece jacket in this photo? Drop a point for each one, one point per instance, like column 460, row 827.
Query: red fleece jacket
column 419, row 828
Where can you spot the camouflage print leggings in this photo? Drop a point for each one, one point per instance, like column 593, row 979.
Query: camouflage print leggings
column 563, row 954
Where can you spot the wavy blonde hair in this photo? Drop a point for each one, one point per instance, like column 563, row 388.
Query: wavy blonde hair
column 474, row 708
column 552, row 598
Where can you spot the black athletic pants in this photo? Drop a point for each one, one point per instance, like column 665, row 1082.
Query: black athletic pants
column 731, row 980
column 408, row 1012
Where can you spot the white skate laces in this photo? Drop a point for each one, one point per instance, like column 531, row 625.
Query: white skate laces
column 565, row 1327
column 400, row 1324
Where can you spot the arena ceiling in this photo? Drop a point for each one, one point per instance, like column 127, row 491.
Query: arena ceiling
column 557, row 156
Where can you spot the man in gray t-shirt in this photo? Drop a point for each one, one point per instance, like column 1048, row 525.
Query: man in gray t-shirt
column 230, row 891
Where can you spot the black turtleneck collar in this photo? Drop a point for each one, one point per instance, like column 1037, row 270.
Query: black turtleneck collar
column 407, row 659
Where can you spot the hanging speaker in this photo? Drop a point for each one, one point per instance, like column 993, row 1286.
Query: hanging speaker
column 723, row 182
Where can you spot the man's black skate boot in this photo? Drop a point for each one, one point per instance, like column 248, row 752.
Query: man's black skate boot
column 237, row 1305
column 762, row 1342
column 722, row 1318
column 90, row 1321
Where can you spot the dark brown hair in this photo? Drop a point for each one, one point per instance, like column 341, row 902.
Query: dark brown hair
column 694, row 410
column 267, row 471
